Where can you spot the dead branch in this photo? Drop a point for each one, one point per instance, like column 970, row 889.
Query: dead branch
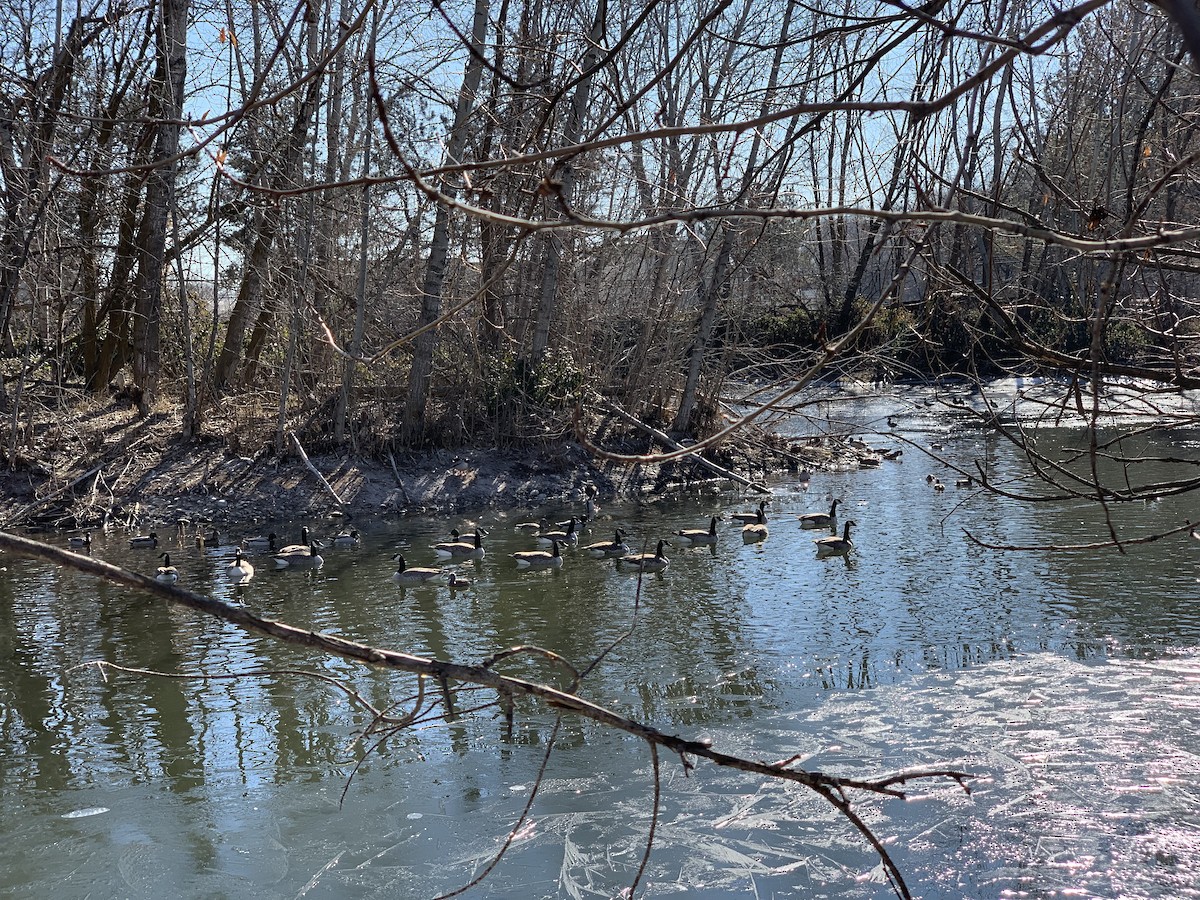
column 677, row 447
column 833, row 788
column 1116, row 544
column 316, row 472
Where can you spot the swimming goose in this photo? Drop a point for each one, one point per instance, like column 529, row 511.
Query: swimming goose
column 461, row 549
column 261, row 543
column 458, row 537
column 240, row 569
column 80, row 540
column 834, row 545
column 415, row 575
column 609, row 549
column 645, row 562
column 144, row 540
column 309, row 559
column 699, row 536
column 539, row 559
column 964, row 482
column 347, row 538
column 756, row 531
column 301, row 547
column 570, row 536
column 531, row 527
column 938, row 485
column 166, row 572
column 820, row 520
column 743, row 518
column 456, row 582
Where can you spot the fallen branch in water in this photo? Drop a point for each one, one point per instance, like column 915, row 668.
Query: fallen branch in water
column 835, row 789
column 1097, row 545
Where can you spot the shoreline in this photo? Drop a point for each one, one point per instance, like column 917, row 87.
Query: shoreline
column 141, row 475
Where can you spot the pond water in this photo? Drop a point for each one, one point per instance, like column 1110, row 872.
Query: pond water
column 1066, row 683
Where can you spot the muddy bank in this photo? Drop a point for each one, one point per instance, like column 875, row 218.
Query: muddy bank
column 106, row 466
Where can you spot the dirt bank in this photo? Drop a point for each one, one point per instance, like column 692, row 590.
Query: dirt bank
column 100, row 463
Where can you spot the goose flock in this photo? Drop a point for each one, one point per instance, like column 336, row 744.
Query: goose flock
column 303, row 555
column 552, row 538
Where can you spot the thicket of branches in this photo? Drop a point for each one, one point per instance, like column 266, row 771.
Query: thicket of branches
column 445, row 223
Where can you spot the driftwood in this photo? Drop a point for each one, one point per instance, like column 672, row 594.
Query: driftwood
column 672, row 444
column 316, row 472
column 122, row 450
column 834, row 789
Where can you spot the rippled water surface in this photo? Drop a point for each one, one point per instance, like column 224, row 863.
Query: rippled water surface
column 1066, row 683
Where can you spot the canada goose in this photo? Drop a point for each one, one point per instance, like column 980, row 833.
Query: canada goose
column 743, row 518
column 261, row 543
column 80, row 540
column 539, row 559
column 609, row 549
column 820, row 520
column 698, row 536
column 297, row 548
column 893, row 454
column 930, row 478
column 870, row 461
column 212, row 539
column 458, row 537
column 531, row 527
column 347, row 538
column 645, row 562
column 938, row 486
column 309, row 559
column 834, row 545
column 756, row 531
column 240, row 569
column 461, row 549
column 891, row 422
column 415, row 575
column 570, row 536
column 144, row 540
column 456, row 582
column 166, row 572
column 965, row 482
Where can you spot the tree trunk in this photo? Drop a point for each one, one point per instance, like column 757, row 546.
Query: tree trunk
column 712, row 293
column 413, row 428
column 552, row 261
column 718, row 287
column 166, row 106
column 257, row 264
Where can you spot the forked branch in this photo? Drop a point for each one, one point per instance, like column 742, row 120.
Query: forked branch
column 835, row 789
